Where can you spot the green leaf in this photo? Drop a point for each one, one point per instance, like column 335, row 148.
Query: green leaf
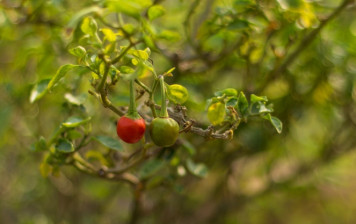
column 169, row 35
column 73, row 122
column 142, row 54
column 238, row 25
column 126, row 69
column 226, row 92
column 109, row 34
column 199, row 170
column 151, row 167
column 132, row 8
column 89, row 26
column 76, row 100
column 242, row 104
column 61, row 72
column 155, row 12
column 216, row 113
column 277, row 124
column 109, row 142
column 79, row 51
column 189, row 147
column 140, row 70
column 39, row 90
column 177, row 94
column 41, row 145
column 232, row 102
column 73, row 134
column 254, row 98
column 64, row 146
column 45, row 169
column 259, row 108
column 80, row 14
column 242, row 2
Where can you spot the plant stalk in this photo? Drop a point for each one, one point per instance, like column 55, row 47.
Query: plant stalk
column 164, row 112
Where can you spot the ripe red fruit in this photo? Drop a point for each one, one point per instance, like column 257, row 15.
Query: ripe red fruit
column 130, row 130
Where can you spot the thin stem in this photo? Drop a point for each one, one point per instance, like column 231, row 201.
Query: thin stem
column 77, row 157
column 146, row 88
column 103, row 80
column 151, row 100
column 118, row 58
column 164, row 112
column 136, row 206
column 134, row 163
column 132, row 106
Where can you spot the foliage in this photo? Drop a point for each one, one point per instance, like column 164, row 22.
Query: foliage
column 232, row 71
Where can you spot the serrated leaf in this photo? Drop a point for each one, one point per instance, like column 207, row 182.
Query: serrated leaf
column 226, row 92
column 242, row 103
column 78, row 51
column 155, row 12
column 177, row 94
column 64, row 146
column 39, row 90
column 89, row 26
column 73, row 122
column 216, row 113
column 151, row 167
column 109, row 34
column 199, row 170
column 109, row 142
column 61, row 72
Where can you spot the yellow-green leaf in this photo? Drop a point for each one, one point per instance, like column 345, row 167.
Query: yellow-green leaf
column 216, row 113
column 89, row 26
column 155, row 12
column 39, row 90
column 177, row 94
column 109, row 34
column 61, row 72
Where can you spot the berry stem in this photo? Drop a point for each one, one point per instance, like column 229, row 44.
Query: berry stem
column 164, row 112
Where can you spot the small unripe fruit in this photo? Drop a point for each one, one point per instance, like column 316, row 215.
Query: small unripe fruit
column 164, row 131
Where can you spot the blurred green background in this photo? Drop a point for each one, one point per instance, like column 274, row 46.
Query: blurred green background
column 304, row 175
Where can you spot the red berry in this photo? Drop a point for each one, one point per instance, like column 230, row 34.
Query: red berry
column 130, row 130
